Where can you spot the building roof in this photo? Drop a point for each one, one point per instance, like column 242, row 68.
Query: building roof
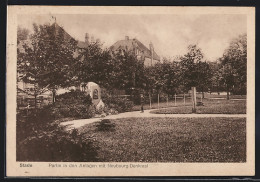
column 67, row 36
column 131, row 44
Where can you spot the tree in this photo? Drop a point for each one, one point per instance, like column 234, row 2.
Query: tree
column 112, row 70
column 234, row 66
column 204, row 76
column 189, row 67
column 167, row 78
column 92, row 64
column 47, row 59
column 216, row 77
column 128, row 71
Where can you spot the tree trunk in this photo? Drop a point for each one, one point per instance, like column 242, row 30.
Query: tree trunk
column 158, row 100
column 167, row 99
column 218, row 89
column 194, row 99
column 184, row 98
column 35, row 96
column 202, row 92
column 150, row 100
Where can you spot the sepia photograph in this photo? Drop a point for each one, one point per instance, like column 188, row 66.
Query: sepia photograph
column 131, row 91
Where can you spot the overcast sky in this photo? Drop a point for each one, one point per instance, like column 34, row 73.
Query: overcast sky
column 170, row 34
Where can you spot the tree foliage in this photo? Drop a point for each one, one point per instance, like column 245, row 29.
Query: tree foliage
column 47, row 58
column 51, row 59
column 190, row 67
column 234, row 65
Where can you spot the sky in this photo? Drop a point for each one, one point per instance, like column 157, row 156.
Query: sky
column 170, row 34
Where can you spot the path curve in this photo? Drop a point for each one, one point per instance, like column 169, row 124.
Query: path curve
column 146, row 114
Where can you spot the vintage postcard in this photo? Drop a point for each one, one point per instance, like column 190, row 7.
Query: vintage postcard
column 130, row 91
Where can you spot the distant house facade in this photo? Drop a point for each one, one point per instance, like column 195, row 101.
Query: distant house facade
column 26, row 98
column 148, row 56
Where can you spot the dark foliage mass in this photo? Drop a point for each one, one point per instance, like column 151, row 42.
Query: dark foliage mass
column 118, row 104
column 105, row 125
column 40, row 138
column 75, row 104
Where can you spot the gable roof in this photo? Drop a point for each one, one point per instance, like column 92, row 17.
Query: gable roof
column 67, row 36
column 131, row 44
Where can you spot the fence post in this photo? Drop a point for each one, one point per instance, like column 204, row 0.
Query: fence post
column 167, row 100
column 174, row 99
column 158, row 100
column 150, row 100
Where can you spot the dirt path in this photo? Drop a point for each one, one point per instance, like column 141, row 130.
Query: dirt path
column 146, row 114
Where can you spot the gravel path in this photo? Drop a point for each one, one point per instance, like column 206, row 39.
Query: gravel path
column 146, row 114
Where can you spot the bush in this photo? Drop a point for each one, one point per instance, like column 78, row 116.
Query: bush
column 74, row 97
column 103, row 110
column 105, row 125
column 136, row 97
column 75, row 104
column 40, row 138
column 57, row 145
column 119, row 104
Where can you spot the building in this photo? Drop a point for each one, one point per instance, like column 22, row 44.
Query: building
column 25, row 91
column 26, row 97
column 148, row 56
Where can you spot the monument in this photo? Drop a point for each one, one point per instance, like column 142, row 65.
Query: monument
column 94, row 91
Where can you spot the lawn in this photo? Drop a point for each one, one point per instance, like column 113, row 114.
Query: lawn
column 169, row 139
column 209, row 99
column 210, row 107
column 171, row 103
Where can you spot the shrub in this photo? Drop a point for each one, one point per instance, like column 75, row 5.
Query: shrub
column 74, row 104
column 57, row 145
column 136, row 97
column 119, row 104
column 102, row 110
column 105, row 125
column 90, row 112
column 40, row 138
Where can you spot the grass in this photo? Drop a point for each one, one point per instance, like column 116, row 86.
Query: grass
column 207, row 95
column 169, row 139
column 210, row 107
column 180, row 102
column 162, row 104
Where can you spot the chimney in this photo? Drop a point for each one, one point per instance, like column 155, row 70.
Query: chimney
column 86, row 38
column 92, row 39
column 152, row 51
column 126, row 37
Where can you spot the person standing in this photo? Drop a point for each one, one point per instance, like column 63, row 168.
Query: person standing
column 142, row 102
